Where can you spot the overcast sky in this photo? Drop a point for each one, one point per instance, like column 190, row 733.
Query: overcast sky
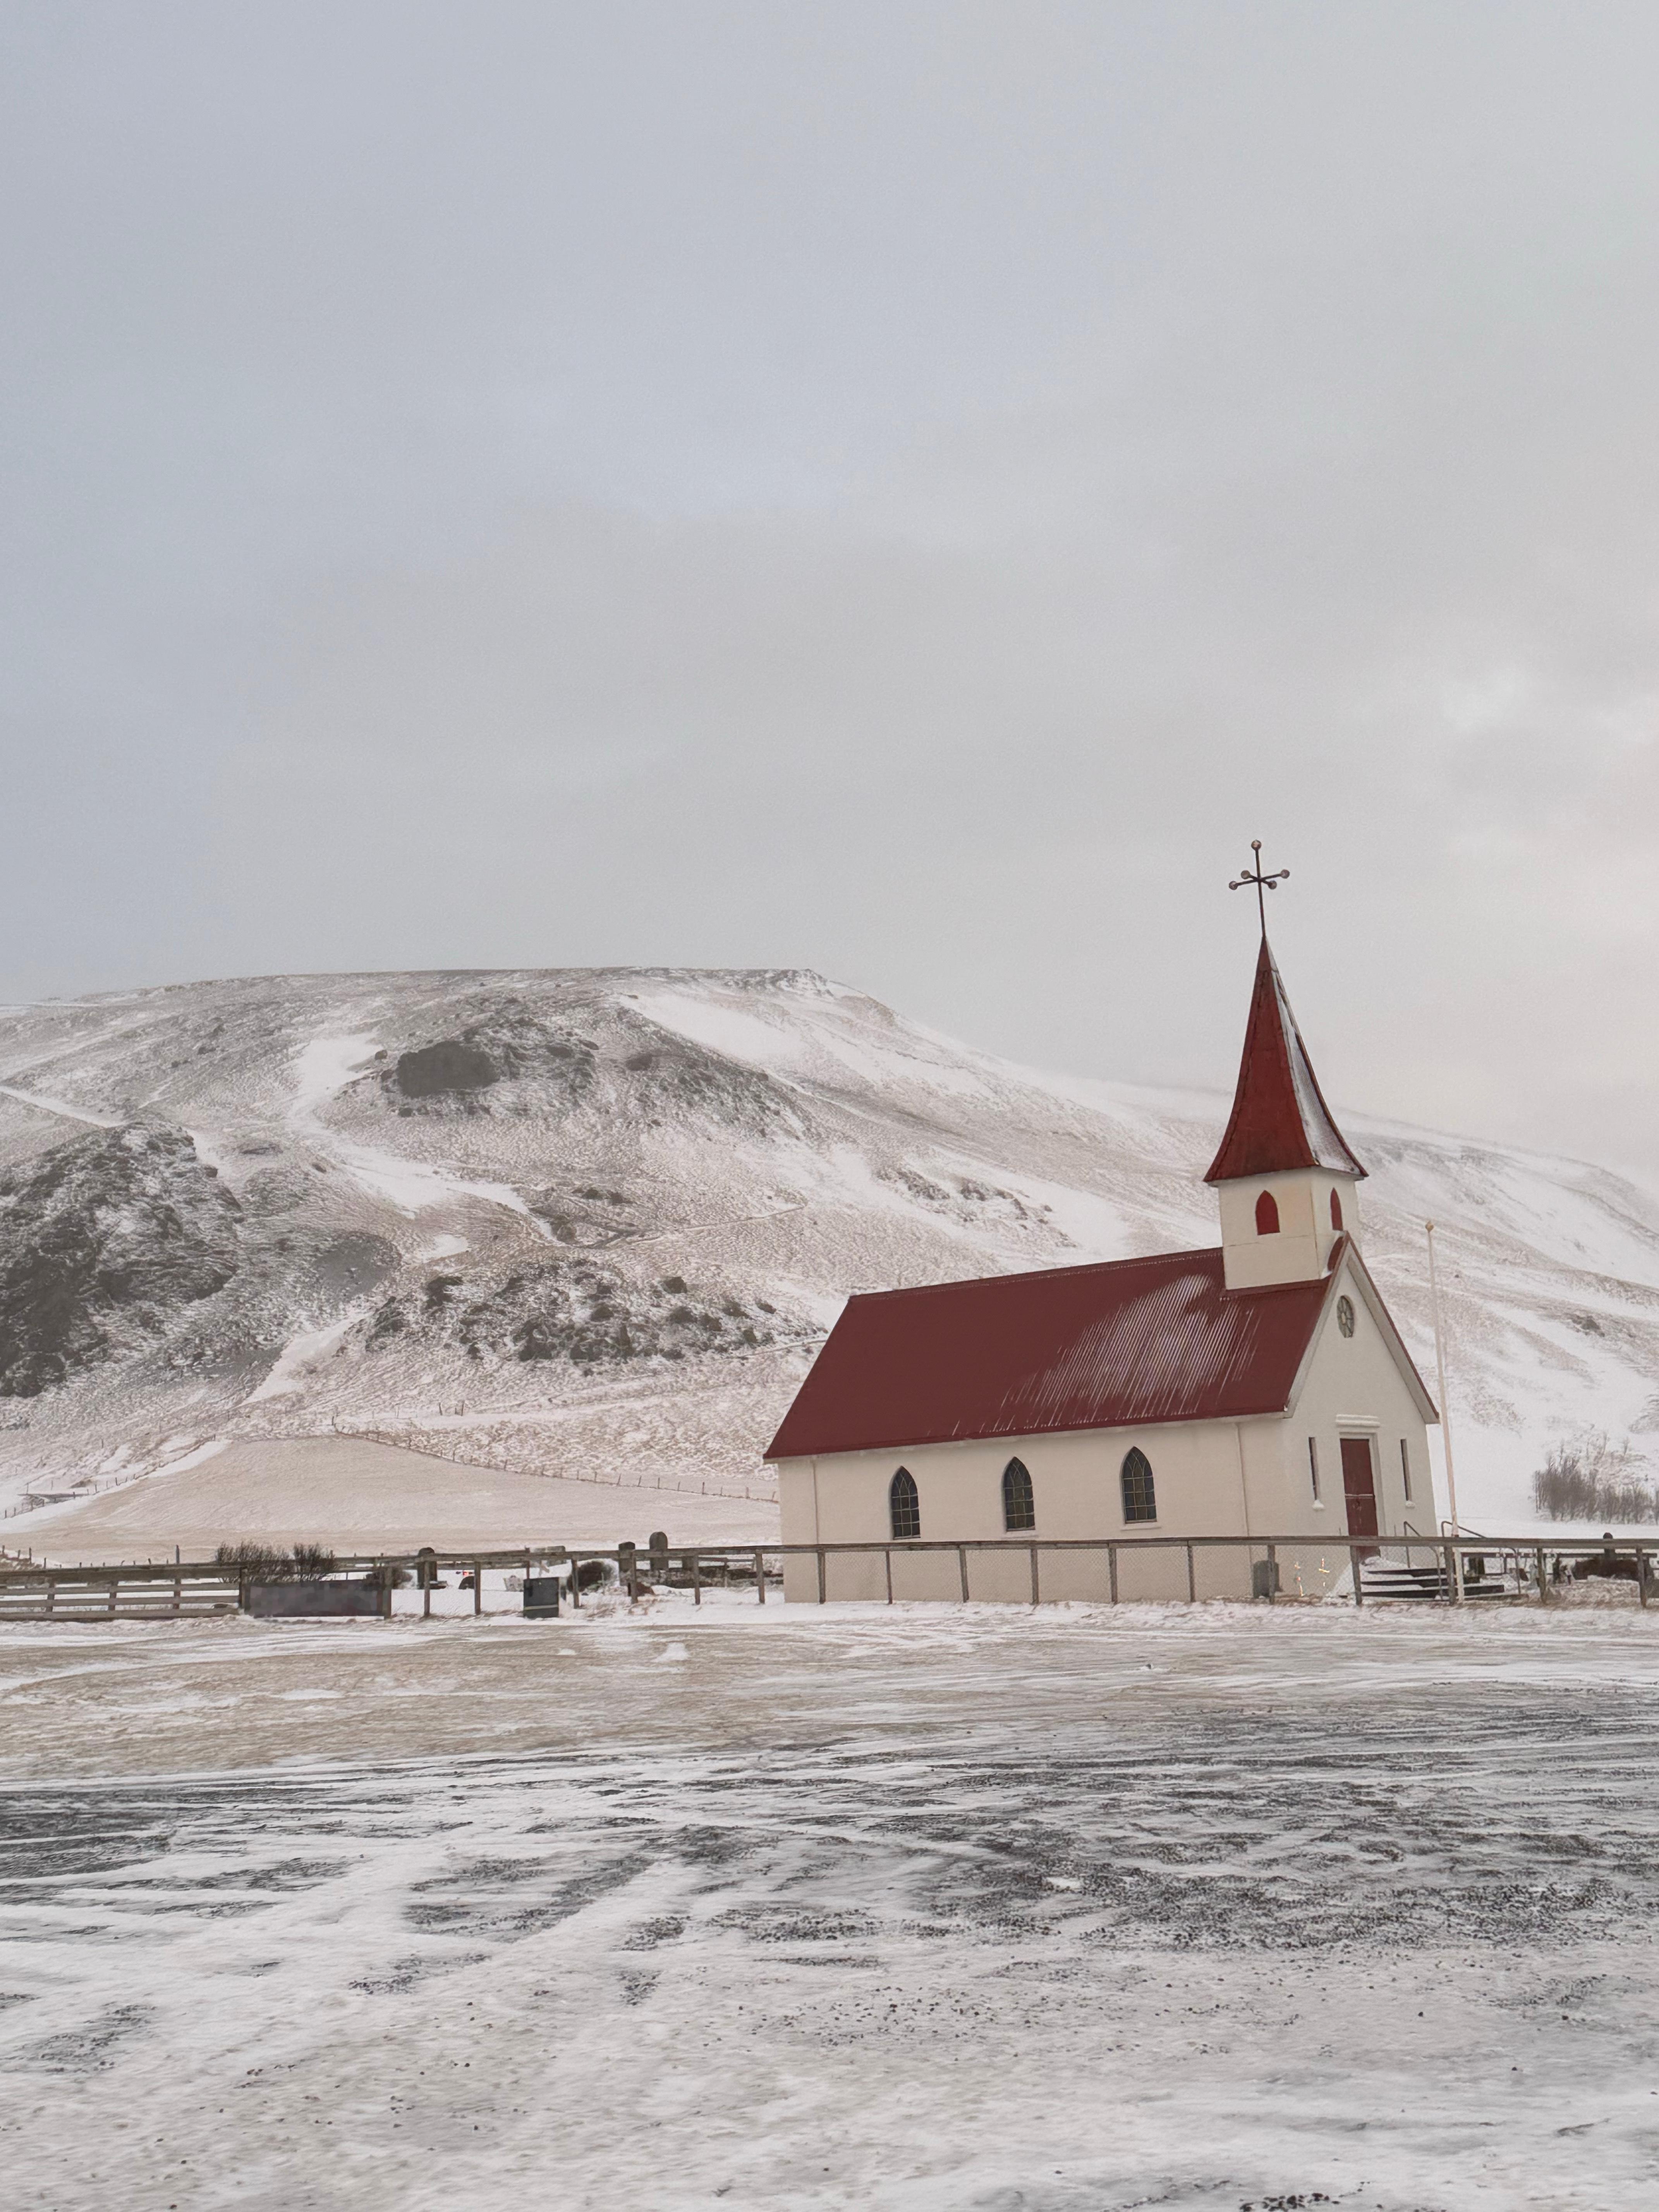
column 907, row 491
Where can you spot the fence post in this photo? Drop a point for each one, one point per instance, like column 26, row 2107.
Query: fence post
column 696, row 1578
column 1111, row 1571
column 1642, row 1580
column 820, row 1576
column 1036, row 1599
column 1192, row 1578
column 477, row 1587
column 962, row 1569
column 1273, row 1577
column 1453, row 1578
column 575, row 1583
column 1543, row 1580
column 114, row 1591
column 887, row 1557
column 385, row 1591
column 1356, row 1564
column 760, row 1574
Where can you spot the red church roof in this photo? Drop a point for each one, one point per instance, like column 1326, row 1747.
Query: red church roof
column 1113, row 1346
column 1279, row 1118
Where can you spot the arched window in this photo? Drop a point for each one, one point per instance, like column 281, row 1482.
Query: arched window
column 1266, row 1215
column 903, row 1506
column 1019, row 1504
column 1336, row 1209
column 1139, row 1498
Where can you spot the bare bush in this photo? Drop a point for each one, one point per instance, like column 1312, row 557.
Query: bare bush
column 1592, row 1479
column 260, row 1563
column 267, row 1563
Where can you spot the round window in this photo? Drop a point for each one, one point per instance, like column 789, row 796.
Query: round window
column 1344, row 1315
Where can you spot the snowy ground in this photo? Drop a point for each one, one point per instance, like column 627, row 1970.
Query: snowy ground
column 927, row 1909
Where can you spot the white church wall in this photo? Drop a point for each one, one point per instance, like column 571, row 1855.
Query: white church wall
column 1201, row 1473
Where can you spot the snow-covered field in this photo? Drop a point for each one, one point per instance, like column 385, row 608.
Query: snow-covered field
column 934, row 1908
column 355, row 1497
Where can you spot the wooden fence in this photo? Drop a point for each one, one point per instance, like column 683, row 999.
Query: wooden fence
column 178, row 1592
column 1447, row 1568
column 1529, row 1567
column 1524, row 1566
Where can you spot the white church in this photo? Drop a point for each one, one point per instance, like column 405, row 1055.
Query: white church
column 1257, row 1387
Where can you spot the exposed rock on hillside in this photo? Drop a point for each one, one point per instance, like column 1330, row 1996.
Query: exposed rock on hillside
column 102, row 1241
column 434, row 1070
column 575, row 1311
column 519, row 1062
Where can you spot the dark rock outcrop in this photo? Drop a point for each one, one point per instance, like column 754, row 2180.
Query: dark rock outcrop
column 102, row 1242
column 451, row 1065
column 577, row 1311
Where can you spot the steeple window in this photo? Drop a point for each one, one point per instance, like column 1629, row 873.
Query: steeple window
column 1336, row 1209
column 1266, row 1215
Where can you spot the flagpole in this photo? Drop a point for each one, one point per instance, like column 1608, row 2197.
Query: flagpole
column 1445, row 1415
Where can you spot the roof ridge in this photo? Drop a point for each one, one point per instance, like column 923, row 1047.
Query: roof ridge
column 1025, row 1274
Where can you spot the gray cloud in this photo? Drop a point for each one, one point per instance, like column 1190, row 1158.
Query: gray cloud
column 905, row 490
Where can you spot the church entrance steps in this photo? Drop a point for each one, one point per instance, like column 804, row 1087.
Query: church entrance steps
column 1386, row 1578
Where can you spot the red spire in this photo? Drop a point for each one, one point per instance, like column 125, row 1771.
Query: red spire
column 1280, row 1118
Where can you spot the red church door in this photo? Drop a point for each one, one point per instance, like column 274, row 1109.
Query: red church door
column 1359, row 1487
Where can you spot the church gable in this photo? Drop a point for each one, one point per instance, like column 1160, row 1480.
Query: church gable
column 1350, row 1282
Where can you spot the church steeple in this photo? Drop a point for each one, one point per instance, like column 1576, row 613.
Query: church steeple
column 1279, row 1118
column 1286, row 1179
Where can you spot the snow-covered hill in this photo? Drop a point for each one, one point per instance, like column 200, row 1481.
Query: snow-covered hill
column 592, row 1222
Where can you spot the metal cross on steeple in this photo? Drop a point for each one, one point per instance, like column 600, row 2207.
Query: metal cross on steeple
column 1262, row 882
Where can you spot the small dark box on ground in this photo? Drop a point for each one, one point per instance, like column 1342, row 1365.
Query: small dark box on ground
column 541, row 1597
column 311, row 1600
